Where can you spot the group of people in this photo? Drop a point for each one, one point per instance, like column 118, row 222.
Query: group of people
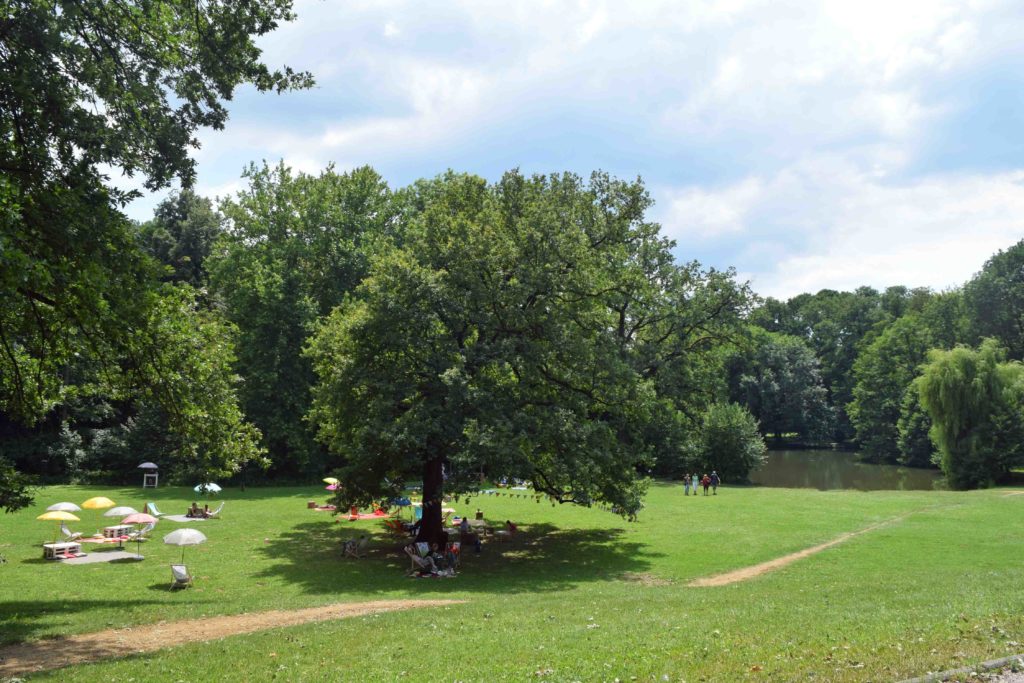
column 195, row 513
column 434, row 562
column 706, row 481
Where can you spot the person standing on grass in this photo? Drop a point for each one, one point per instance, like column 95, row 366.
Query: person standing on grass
column 715, row 481
column 686, row 483
column 706, row 481
column 693, row 482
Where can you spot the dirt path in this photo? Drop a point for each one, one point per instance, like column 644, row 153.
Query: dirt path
column 23, row 658
column 771, row 565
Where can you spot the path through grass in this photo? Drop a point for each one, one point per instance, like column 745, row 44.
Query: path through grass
column 581, row 595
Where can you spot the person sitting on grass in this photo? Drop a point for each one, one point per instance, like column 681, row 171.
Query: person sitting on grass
column 193, row 511
column 443, row 559
column 425, row 565
column 510, row 527
column 206, row 511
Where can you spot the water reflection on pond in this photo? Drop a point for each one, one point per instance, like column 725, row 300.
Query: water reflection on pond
column 825, row 470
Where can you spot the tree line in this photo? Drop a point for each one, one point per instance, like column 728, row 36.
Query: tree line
column 909, row 376
column 537, row 327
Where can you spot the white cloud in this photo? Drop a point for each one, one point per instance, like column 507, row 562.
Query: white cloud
column 709, row 214
column 825, row 224
column 782, row 136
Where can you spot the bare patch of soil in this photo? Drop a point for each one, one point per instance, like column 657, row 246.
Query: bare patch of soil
column 23, row 658
column 645, row 579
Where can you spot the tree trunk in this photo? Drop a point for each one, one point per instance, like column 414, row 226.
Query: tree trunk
column 431, row 529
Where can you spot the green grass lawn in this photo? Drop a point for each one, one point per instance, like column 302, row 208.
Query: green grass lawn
column 580, row 595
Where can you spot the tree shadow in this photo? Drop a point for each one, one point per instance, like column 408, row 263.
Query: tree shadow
column 541, row 557
column 26, row 619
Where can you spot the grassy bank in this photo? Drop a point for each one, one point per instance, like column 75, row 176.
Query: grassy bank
column 580, row 595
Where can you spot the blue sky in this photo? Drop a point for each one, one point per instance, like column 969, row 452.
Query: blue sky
column 808, row 144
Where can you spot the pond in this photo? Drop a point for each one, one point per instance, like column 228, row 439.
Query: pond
column 825, row 470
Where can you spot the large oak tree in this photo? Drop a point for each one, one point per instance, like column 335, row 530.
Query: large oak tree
column 521, row 330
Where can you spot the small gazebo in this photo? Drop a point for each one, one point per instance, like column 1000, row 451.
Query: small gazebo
column 150, row 477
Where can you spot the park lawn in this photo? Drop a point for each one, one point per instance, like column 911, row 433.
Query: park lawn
column 581, row 595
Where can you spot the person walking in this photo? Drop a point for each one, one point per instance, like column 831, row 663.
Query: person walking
column 715, row 481
column 693, row 482
column 686, row 483
column 706, row 481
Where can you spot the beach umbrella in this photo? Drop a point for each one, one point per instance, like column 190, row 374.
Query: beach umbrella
column 57, row 516
column 147, row 466
column 207, row 488
column 98, row 503
column 331, row 480
column 139, row 518
column 63, row 507
column 120, row 511
column 184, row 537
column 332, row 487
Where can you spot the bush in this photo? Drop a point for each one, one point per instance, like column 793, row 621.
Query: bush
column 976, row 402
column 730, row 442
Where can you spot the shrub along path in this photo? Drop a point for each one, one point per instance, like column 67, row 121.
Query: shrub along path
column 24, row 658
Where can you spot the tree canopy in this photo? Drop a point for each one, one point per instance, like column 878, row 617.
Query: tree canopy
column 295, row 245
column 976, row 402
column 778, row 378
column 883, row 371
column 88, row 88
column 995, row 300
column 518, row 329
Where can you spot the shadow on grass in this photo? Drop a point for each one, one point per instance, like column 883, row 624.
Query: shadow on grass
column 542, row 557
column 25, row 619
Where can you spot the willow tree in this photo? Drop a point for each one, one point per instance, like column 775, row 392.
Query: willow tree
column 518, row 330
column 976, row 402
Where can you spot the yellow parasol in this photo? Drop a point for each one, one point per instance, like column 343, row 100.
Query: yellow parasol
column 331, row 480
column 98, row 503
column 57, row 516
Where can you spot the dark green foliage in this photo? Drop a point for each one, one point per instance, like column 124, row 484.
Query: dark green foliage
column 976, row 402
column 778, row 379
column 181, row 236
column 125, row 85
column 520, row 329
column 15, row 488
column 913, row 425
column 883, row 371
column 297, row 244
column 995, row 300
column 834, row 325
column 946, row 317
column 730, row 442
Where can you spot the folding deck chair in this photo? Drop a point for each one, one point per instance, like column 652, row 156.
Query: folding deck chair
column 182, row 578
column 355, row 548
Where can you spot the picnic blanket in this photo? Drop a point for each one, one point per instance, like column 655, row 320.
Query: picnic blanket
column 376, row 514
column 184, row 518
column 102, row 557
